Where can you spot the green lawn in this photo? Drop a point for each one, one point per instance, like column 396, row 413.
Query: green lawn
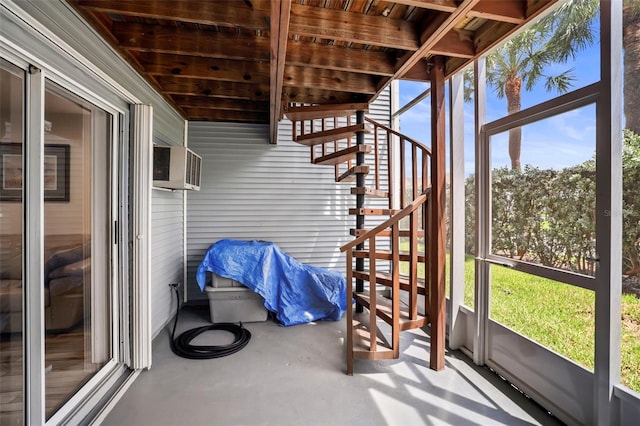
column 557, row 315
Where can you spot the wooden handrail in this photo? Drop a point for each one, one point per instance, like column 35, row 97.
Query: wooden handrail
column 410, row 151
column 415, row 204
column 400, row 135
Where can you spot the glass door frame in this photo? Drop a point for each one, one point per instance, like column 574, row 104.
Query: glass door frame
column 82, row 402
column 28, row 36
column 33, row 196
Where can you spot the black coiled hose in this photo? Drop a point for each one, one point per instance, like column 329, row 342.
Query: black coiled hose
column 182, row 346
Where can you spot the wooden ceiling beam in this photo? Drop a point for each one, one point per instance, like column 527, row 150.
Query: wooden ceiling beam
column 534, row 8
column 418, row 72
column 340, row 58
column 208, row 68
column 205, row 114
column 329, row 80
column 499, row 10
column 213, row 88
column 186, row 101
column 454, row 65
column 310, row 95
column 431, row 35
column 231, row 13
column 456, row 43
column 440, row 5
column 164, row 39
column 234, row 60
column 280, row 16
column 331, row 24
column 491, row 33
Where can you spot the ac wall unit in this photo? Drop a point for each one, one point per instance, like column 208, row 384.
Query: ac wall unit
column 176, row 167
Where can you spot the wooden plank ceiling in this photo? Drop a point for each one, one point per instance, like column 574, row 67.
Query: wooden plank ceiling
column 243, row 60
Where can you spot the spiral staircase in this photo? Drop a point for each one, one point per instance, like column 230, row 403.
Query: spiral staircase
column 388, row 261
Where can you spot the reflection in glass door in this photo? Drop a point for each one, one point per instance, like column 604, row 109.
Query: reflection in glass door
column 77, row 200
column 12, row 103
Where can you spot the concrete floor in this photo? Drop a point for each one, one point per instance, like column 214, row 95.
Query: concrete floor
column 296, row 376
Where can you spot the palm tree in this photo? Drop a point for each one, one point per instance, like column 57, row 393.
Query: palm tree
column 524, row 59
column 631, row 43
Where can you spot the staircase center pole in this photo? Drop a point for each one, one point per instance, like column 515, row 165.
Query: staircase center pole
column 359, row 205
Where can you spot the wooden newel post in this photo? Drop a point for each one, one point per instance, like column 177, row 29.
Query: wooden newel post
column 438, row 212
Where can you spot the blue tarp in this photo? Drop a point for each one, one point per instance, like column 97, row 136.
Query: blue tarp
column 297, row 293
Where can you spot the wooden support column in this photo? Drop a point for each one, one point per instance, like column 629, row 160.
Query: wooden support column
column 438, row 212
column 280, row 14
column 360, row 178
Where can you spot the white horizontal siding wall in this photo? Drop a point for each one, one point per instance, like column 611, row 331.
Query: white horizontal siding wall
column 252, row 190
column 167, row 253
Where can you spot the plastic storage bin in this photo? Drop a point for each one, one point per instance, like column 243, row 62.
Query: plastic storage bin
column 235, row 304
column 221, row 282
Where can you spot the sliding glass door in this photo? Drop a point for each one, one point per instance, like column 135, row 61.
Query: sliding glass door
column 58, row 263
column 77, row 241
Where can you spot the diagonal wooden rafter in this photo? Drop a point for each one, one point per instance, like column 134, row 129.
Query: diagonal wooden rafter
column 432, row 34
column 280, row 16
column 512, row 11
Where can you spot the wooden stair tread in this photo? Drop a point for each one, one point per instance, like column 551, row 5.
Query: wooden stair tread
column 351, row 174
column 386, row 279
column 385, row 233
column 310, row 112
column 384, row 311
column 342, row 156
column 362, row 340
column 331, row 135
column 369, row 192
column 373, row 212
column 388, row 255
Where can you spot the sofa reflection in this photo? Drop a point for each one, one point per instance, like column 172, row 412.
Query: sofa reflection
column 67, row 268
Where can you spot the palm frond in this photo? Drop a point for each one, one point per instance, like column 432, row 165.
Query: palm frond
column 573, row 30
column 554, row 39
column 560, row 83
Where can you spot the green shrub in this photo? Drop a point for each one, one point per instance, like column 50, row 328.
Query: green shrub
column 548, row 216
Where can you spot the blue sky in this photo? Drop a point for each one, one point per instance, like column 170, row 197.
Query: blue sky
column 558, row 142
